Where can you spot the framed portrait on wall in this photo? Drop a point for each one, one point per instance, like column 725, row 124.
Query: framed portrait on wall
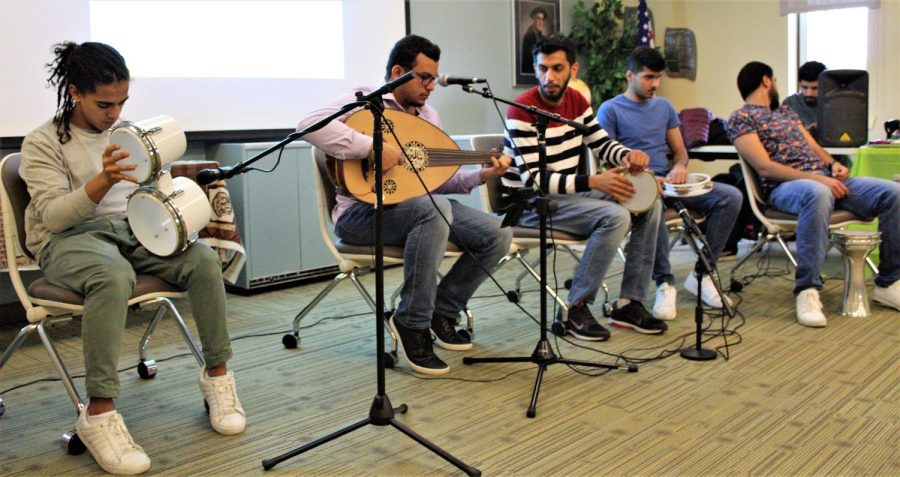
column 532, row 20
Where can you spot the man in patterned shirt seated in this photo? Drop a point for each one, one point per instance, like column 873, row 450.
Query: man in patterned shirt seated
column 799, row 177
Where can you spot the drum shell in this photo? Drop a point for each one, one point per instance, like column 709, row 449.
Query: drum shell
column 150, row 144
column 166, row 219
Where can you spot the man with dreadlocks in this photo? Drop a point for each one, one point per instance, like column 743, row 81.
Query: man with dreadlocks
column 76, row 227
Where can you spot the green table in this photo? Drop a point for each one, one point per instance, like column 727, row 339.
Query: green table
column 875, row 161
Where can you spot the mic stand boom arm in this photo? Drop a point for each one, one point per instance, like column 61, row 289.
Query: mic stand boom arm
column 206, row 176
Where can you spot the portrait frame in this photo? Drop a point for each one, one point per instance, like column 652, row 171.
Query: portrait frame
column 523, row 64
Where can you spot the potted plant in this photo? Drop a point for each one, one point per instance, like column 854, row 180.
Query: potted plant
column 604, row 41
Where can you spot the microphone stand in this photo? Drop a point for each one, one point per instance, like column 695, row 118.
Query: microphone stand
column 381, row 413
column 543, row 354
column 704, row 263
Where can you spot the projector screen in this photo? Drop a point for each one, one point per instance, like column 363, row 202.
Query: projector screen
column 212, row 65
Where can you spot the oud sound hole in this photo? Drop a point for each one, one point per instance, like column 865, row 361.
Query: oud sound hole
column 418, row 156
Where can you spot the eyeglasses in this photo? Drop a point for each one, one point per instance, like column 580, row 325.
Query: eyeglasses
column 426, row 78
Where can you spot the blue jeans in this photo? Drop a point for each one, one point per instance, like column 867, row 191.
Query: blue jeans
column 416, row 225
column 721, row 206
column 813, row 202
column 606, row 223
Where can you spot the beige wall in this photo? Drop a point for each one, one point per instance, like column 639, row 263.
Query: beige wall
column 730, row 33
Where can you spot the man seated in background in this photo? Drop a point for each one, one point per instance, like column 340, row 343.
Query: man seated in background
column 587, row 203
column 799, row 177
column 417, row 224
column 805, row 102
column 640, row 119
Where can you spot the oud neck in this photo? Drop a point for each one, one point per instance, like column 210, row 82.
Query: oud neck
column 455, row 157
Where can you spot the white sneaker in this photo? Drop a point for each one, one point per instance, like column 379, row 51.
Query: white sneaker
column 888, row 296
column 809, row 309
column 225, row 412
column 708, row 293
column 106, row 436
column 664, row 307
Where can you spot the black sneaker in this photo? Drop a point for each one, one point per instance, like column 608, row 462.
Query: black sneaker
column 446, row 336
column 581, row 324
column 634, row 316
column 415, row 346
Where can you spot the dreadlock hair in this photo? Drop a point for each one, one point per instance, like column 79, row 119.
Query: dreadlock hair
column 84, row 66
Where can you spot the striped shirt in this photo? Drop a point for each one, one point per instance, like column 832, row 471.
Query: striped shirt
column 564, row 145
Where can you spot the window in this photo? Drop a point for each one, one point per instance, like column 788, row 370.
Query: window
column 837, row 38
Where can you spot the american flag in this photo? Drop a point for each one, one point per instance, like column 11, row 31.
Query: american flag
column 644, row 30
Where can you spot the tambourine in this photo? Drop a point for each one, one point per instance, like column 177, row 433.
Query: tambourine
column 167, row 218
column 696, row 184
column 150, row 144
column 646, row 192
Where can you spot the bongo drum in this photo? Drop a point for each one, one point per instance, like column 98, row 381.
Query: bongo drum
column 167, row 218
column 150, row 144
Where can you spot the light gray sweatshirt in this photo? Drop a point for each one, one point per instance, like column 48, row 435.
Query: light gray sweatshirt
column 56, row 174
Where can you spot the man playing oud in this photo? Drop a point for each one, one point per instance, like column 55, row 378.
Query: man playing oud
column 417, row 224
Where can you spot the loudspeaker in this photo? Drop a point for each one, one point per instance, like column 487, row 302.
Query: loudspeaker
column 843, row 108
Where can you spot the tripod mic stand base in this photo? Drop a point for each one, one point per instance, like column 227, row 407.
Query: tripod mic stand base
column 698, row 354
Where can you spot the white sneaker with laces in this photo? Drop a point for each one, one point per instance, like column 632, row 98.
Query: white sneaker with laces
column 225, row 412
column 108, row 440
column 888, row 296
column 708, row 292
column 809, row 309
column 664, row 307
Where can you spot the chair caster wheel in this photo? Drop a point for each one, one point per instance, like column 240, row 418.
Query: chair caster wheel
column 390, row 360
column 291, row 340
column 147, row 369
column 558, row 329
column 568, row 284
column 736, row 286
column 72, row 444
column 513, row 296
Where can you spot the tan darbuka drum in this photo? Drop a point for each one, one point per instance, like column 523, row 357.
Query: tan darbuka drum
column 696, row 184
column 855, row 246
column 150, row 144
column 646, row 192
column 167, row 218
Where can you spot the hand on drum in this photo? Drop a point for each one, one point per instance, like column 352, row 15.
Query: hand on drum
column 613, row 183
column 636, row 161
column 112, row 170
column 678, row 174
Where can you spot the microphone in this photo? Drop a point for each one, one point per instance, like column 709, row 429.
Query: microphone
column 206, row 176
column 447, row 80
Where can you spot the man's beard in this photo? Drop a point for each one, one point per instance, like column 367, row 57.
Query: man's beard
column 562, row 91
column 774, row 101
column 811, row 100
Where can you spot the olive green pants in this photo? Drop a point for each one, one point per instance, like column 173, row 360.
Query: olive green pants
column 100, row 261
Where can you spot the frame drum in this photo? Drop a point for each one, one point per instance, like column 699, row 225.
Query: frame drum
column 166, row 219
column 150, row 144
column 696, row 184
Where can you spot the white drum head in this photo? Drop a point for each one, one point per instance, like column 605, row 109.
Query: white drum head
column 167, row 219
column 696, row 184
column 645, row 194
column 150, row 144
